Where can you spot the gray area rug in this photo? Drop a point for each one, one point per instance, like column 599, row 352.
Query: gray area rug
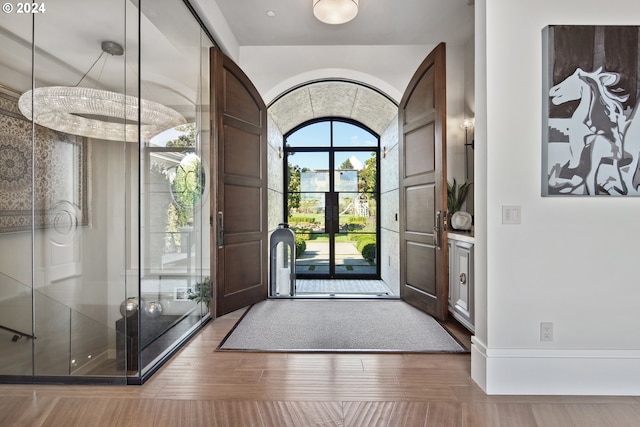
column 339, row 325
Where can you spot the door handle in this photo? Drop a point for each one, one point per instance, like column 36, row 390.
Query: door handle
column 220, row 229
column 436, row 231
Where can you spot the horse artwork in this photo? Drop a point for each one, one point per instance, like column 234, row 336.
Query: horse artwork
column 592, row 126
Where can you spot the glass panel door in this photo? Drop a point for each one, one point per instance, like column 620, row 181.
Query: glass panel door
column 356, row 249
column 333, row 211
column 332, row 200
column 307, row 184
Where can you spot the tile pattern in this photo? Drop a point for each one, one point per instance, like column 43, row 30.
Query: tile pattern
column 338, row 286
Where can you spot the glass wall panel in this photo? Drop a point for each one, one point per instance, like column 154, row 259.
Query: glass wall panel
column 16, row 170
column 174, row 216
column 84, row 191
column 104, row 144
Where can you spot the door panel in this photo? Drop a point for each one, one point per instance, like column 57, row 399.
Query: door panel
column 421, row 267
column 242, row 153
column 239, row 138
column 420, row 145
column 419, row 220
column 422, row 122
column 242, row 211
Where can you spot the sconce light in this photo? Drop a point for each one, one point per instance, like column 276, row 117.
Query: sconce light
column 466, row 125
column 279, row 152
column 384, row 152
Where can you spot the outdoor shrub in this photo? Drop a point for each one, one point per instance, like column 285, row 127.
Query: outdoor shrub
column 301, row 246
column 357, row 220
column 355, row 223
column 363, row 240
column 301, row 232
column 303, row 219
column 369, row 252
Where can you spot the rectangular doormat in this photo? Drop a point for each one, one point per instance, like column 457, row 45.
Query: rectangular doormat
column 296, row 325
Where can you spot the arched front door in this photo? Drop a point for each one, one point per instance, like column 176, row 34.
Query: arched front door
column 331, row 200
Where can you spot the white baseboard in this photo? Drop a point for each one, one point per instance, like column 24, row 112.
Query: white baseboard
column 556, row 372
column 479, row 363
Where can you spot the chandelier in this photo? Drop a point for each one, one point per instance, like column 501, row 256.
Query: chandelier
column 86, row 112
column 335, row 11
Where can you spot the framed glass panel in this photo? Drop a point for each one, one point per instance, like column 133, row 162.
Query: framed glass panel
column 349, row 135
column 313, row 135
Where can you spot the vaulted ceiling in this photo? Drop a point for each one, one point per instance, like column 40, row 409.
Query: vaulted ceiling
column 333, row 99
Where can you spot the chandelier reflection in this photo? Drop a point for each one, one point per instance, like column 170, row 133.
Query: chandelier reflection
column 97, row 113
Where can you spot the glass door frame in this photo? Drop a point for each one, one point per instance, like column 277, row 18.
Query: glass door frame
column 330, row 228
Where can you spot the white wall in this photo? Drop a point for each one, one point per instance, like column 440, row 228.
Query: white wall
column 572, row 260
column 275, row 69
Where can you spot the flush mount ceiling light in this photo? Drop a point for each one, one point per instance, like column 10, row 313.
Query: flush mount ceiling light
column 335, row 11
column 96, row 113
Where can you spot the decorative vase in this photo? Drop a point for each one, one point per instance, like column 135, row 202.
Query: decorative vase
column 461, row 220
column 129, row 307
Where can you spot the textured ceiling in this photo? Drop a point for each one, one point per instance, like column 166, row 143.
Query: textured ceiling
column 333, row 99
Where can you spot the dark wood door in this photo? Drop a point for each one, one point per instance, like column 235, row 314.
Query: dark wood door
column 423, row 190
column 239, row 208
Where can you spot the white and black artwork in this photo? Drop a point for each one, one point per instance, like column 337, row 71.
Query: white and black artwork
column 591, row 124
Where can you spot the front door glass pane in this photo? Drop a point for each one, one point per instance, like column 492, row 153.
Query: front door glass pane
column 348, row 135
column 307, row 184
column 356, row 237
column 313, row 135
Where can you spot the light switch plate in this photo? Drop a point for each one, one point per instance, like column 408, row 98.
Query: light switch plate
column 511, row 214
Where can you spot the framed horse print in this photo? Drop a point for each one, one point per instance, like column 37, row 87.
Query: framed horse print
column 591, row 124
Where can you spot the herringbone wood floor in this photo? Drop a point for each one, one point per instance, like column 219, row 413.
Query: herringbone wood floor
column 202, row 387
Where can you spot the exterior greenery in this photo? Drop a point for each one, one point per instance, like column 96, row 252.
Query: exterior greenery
column 301, row 246
column 456, row 195
column 202, row 292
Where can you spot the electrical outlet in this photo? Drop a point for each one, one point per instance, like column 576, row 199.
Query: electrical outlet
column 546, row 331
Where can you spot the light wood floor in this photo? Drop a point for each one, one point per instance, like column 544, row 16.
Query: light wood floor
column 202, row 387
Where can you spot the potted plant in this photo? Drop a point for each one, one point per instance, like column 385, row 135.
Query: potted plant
column 202, row 292
column 456, row 195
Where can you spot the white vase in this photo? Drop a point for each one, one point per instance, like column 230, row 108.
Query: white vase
column 461, row 220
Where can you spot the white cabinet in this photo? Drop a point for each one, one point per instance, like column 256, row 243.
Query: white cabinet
column 461, row 279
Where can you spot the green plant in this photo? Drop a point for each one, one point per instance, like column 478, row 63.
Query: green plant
column 369, row 252
column 363, row 240
column 301, row 246
column 202, row 292
column 302, row 219
column 456, row 195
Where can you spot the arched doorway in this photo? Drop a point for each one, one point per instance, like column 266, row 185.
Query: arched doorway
column 353, row 103
column 331, row 198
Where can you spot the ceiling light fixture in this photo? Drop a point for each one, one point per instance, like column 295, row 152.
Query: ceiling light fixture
column 71, row 109
column 335, row 11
